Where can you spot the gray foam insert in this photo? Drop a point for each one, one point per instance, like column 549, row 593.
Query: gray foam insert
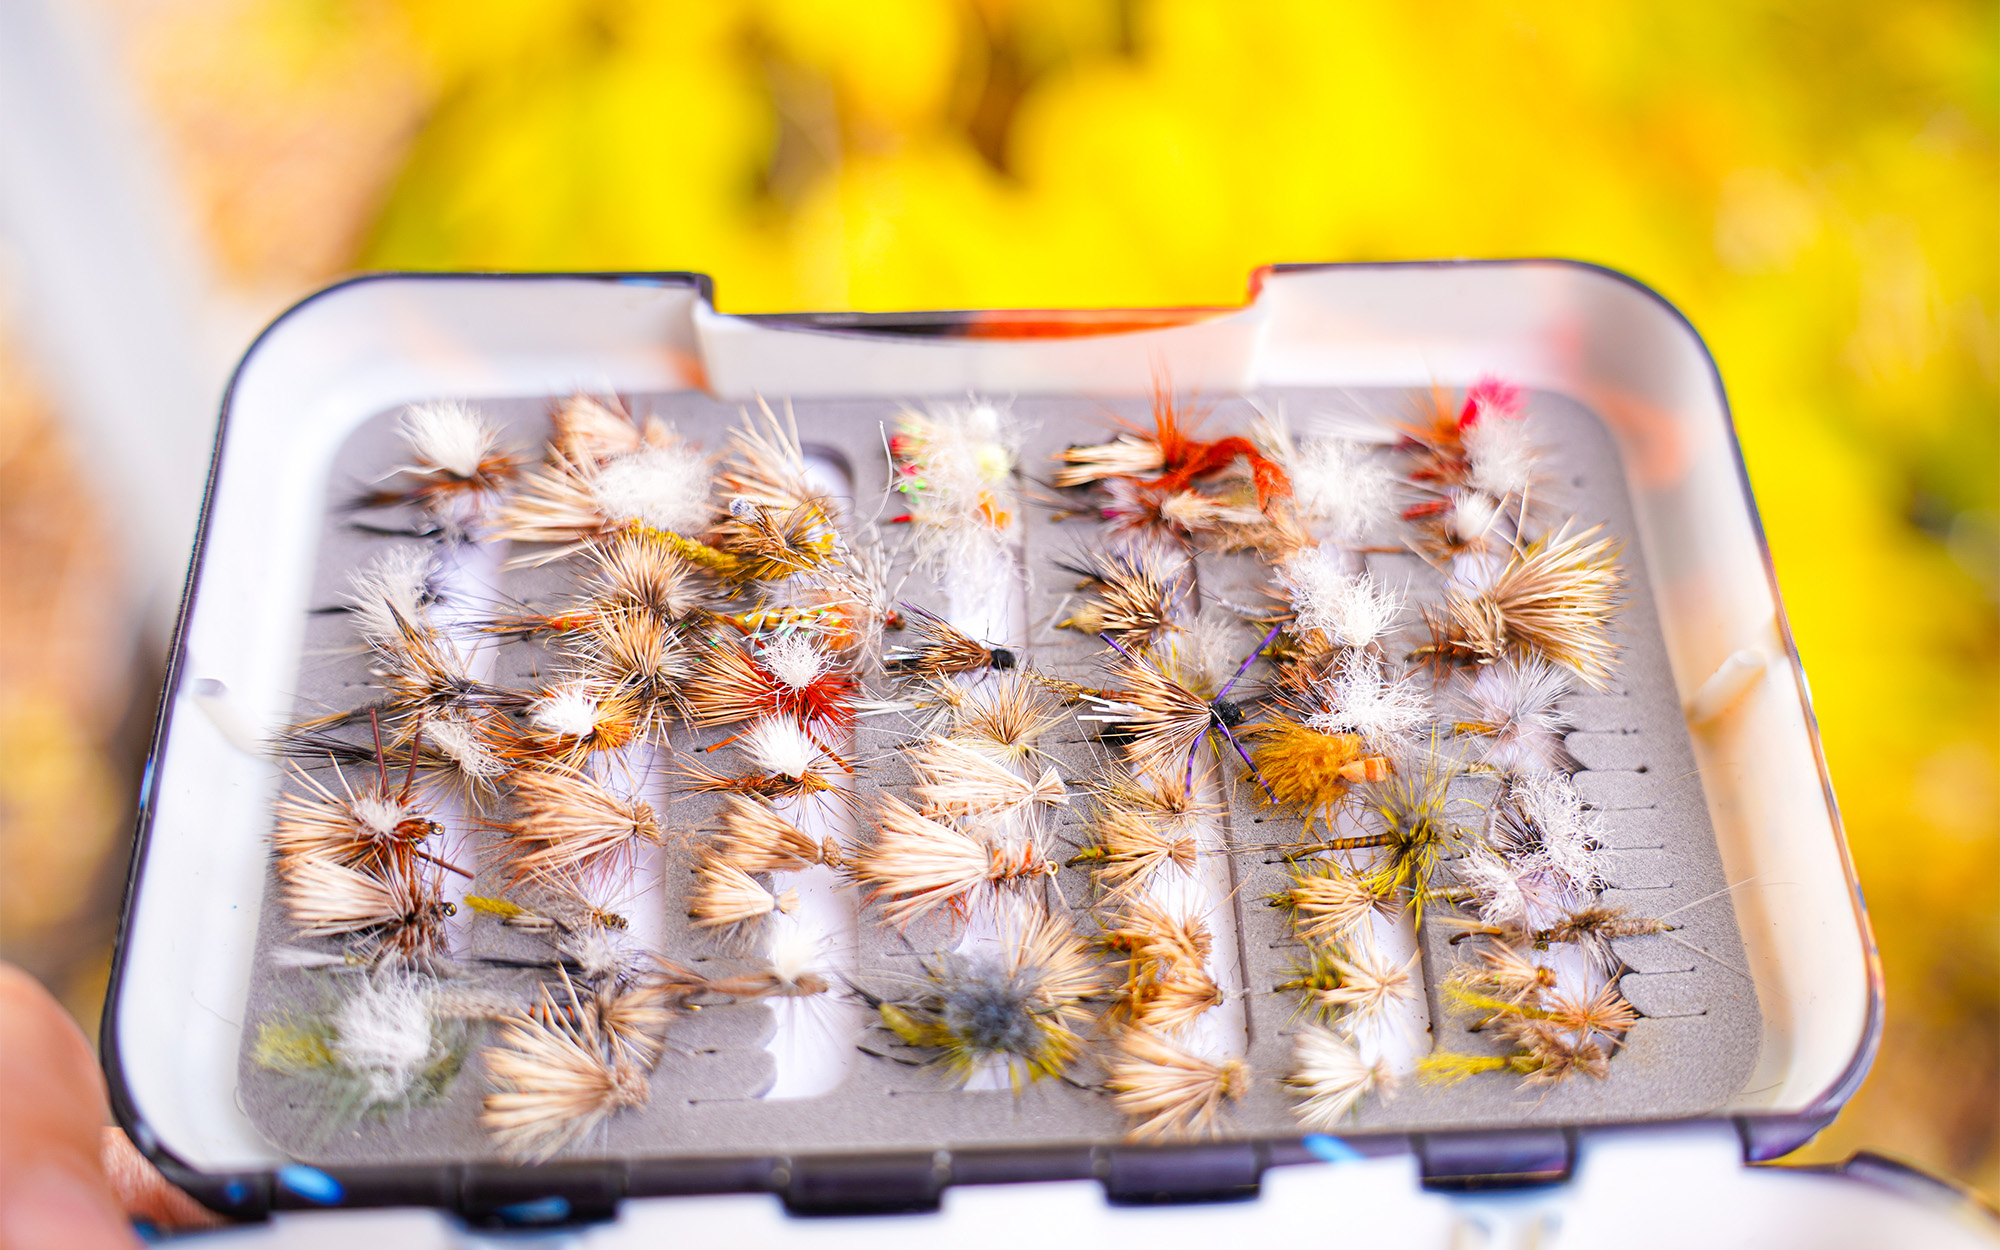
column 1688, row 1056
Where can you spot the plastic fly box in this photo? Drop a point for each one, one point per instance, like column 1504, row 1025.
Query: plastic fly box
column 1745, row 969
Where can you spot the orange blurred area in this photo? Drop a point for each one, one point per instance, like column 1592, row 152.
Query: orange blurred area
column 1816, row 184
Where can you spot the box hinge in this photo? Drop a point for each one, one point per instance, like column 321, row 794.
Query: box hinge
column 1148, row 1175
column 1505, row 1160
column 879, row 1184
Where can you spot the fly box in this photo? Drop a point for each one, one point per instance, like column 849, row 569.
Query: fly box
column 616, row 749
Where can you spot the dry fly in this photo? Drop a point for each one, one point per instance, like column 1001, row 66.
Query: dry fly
column 396, row 916
column 755, row 544
column 787, row 762
column 1023, row 1005
column 919, row 865
column 567, row 823
column 589, row 430
column 558, row 1077
column 1161, row 724
column 755, row 838
column 1169, row 1092
column 1330, row 903
column 1412, row 806
column 352, row 829
column 459, row 468
column 1312, row 771
column 1171, row 1003
column 767, row 464
column 1330, row 1077
column 936, row 648
column 635, row 657
column 960, row 780
column 1553, row 598
column 1133, row 596
column 1129, row 851
column 1004, row 718
column 731, row 901
column 1154, row 941
column 1358, row 981
column 785, row 676
column 567, row 723
column 1591, row 927
column 1516, row 705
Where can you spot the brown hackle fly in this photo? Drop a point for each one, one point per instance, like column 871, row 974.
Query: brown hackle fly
column 730, row 902
column 1553, row 598
column 1004, row 718
column 957, row 779
column 766, row 466
column 567, row 823
column 1330, row 903
column 1136, row 597
column 1153, row 941
column 637, row 573
column 459, row 468
column 918, row 865
column 1172, row 1002
column 393, row 914
column 754, row 837
column 1168, row 1092
column 1128, row 850
column 1356, row 981
column 786, row 762
column 1160, row 724
column 568, row 722
column 789, row 675
column 557, row 1077
column 932, row 647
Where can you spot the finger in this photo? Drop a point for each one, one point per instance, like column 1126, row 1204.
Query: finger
column 53, row 1191
column 144, row 1193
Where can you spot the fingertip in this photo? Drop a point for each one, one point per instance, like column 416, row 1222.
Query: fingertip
column 50, row 1206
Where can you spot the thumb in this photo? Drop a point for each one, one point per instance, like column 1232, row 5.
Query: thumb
column 52, row 1189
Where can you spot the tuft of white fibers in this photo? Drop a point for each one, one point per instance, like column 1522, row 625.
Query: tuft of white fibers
column 594, row 949
column 1364, row 699
column 793, row 660
column 781, row 747
column 1205, row 653
column 567, row 710
column 1518, row 704
column 795, row 950
column 392, row 595
column 1570, row 835
column 448, row 436
column 377, row 815
column 961, row 451
column 383, row 1034
column 1525, row 891
column 664, row 487
column 1331, row 1076
column 1501, row 459
column 1344, row 489
column 1473, row 517
column 1353, row 610
column 460, row 742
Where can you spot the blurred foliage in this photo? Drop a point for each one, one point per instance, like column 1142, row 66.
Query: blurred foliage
column 1816, row 185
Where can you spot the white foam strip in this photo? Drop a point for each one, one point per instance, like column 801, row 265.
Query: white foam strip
column 1223, row 1031
column 812, row 1038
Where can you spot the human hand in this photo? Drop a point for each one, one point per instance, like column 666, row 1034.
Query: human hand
column 66, row 1180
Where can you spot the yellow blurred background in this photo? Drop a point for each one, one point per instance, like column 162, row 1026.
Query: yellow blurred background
column 1816, row 184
